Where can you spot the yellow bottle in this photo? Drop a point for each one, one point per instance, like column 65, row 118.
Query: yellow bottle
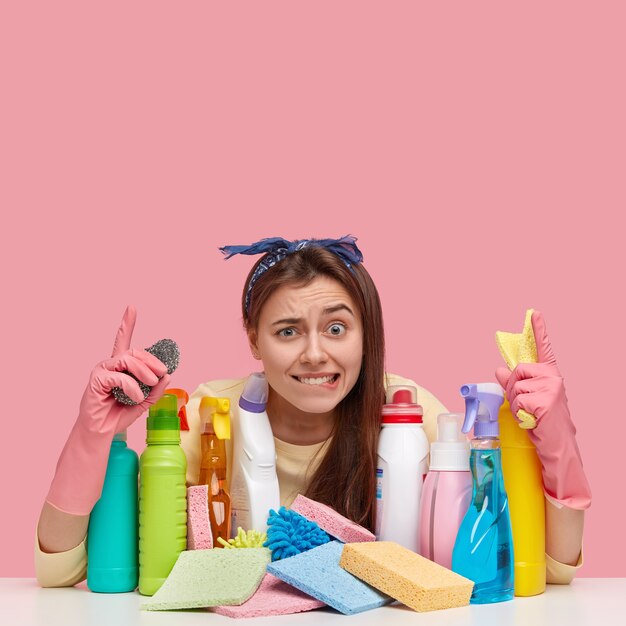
column 214, row 413
column 523, row 483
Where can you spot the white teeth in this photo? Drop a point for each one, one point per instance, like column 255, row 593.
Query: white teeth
column 316, row 381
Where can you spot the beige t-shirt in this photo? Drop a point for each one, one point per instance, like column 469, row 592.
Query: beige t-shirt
column 295, row 465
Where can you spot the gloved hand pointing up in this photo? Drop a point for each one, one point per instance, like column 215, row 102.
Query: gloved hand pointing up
column 538, row 388
column 77, row 483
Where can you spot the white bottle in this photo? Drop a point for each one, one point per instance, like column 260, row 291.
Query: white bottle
column 402, row 465
column 254, row 484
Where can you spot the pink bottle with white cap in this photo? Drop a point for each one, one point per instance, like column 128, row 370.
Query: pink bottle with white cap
column 447, row 490
column 401, row 468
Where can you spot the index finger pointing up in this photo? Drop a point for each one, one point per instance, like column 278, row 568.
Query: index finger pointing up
column 545, row 353
column 125, row 331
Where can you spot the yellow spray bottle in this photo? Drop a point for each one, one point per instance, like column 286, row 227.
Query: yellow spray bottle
column 522, row 474
column 215, row 420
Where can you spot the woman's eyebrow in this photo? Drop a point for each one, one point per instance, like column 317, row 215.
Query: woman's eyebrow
column 328, row 311
column 288, row 320
column 338, row 307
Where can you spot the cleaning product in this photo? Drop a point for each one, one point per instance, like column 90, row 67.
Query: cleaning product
column 203, row 578
column 483, row 551
column 245, row 540
column 524, row 486
column 254, row 483
column 112, row 566
column 402, row 466
column 407, row 577
column 215, row 419
column 317, row 573
column 289, row 533
column 447, row 490
column 517, row 348
column 332, row 522
column 273, row 597
column 199, row 535
column 522, row 473
column 162, row 496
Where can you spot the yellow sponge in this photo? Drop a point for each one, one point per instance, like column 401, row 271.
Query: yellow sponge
column 517, row 348
column 406, row 576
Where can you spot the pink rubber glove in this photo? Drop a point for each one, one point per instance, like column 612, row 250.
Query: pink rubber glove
column 79, row 476
column 539, row 389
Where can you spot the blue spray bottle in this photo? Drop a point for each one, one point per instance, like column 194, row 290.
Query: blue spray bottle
column 483, row 550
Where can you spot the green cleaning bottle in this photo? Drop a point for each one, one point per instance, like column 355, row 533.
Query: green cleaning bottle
column 112, row 534
column 162, row 497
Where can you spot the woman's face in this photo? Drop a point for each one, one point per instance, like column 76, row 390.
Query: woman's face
column 310, row 340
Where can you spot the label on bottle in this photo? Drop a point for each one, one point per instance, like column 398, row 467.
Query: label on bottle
column 379, row 500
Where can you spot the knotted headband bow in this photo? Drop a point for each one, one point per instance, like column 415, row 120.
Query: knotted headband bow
column 277, row 249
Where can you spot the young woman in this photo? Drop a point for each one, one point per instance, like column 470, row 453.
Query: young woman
column 313, row 318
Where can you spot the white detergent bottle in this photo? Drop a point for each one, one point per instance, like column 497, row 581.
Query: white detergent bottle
column 254, row 483
column 402, row 465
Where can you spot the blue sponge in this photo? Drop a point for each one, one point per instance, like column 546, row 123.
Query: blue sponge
column 289, row 533
column 317, row 573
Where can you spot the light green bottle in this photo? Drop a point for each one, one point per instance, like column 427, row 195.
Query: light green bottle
column 162, row 497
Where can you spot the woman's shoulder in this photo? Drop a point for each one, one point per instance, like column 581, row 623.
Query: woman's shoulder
column 224, row 387
column 430, row 403
column 423, row 394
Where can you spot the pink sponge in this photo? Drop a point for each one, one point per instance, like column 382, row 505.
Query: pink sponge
column 199, row 536
column 328, row 519
column 273, row 597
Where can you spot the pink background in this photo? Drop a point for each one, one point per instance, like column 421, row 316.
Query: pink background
column 477, row 151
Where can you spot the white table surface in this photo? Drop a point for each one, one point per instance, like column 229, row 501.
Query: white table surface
column 593, row 601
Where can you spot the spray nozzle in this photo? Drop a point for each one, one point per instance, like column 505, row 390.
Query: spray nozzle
column 217, row 410
column 482, row 404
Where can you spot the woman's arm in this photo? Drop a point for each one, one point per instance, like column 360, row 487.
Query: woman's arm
column 58, row 531
column 564, row 533
column 80, row 471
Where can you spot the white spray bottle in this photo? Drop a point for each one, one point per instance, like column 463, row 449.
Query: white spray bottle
column 254, row 484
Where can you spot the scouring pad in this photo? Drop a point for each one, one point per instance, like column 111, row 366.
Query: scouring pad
column 166, row 350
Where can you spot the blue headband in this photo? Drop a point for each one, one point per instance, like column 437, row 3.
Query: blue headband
column 277, row 249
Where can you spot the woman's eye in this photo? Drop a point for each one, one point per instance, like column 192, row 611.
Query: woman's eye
column 287, row 332
column 337, row 329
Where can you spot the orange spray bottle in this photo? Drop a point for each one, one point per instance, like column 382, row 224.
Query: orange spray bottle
column 215, row 420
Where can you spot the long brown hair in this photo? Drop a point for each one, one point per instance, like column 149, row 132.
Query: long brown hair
column 346, row 476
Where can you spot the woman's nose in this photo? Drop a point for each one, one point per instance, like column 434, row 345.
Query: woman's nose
column 314, row 351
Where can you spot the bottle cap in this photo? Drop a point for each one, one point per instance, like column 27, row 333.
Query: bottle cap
column 255, row 392
column 120, row 436
column 401, row 406
column 451, row 451
column 183, row 398
column 163, row 414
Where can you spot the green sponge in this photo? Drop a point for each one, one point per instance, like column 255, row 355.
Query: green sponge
column 217, row 577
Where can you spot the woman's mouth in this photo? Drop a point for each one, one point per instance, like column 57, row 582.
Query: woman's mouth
column 316, row 381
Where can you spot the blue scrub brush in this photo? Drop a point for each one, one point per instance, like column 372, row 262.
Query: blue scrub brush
column 168, row 353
